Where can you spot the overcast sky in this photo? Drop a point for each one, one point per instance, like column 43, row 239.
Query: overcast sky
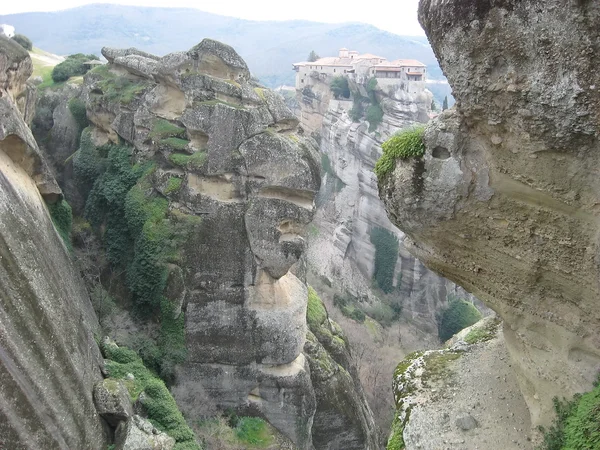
column 397, row 16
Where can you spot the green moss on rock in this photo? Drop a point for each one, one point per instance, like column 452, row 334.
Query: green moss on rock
column 403, row 145
column 157, row 402
column 316, row 313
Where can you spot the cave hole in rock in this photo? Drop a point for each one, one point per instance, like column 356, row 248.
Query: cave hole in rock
column 440, row 152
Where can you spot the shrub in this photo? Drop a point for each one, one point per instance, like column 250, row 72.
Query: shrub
column 162, row 129
column 173, row 185
column 23, row 41
column 339, row 87
column 62, row 217
column 459, row 315
column 253, row 431
column 158, row 402
column 406, row 144
column 386, row 255
column 78, row 111
column 577, row 424
column 175, row 143
column 374, row 116
column 71, row 67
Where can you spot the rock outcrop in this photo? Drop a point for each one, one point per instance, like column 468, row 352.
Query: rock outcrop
column 505, row 200
column 464, row 396
column 49, row 361
column 349, row 208
column 343, row 419
column 228, row 157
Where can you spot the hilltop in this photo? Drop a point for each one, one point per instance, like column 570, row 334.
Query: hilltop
column 269, row 47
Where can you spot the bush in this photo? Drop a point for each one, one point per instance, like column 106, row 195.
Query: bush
column 406, row 144
column 158, row 402
column 195, row 160
column 253, row 431
column 79, row 113
column 577, row 424
column 71, row 67
column 62, row 217
column 386, row 255
column 339, row 87
column 374, row 116
column 23, row 41
column 459, row 315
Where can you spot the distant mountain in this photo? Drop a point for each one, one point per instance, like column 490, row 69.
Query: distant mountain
column 269, row 47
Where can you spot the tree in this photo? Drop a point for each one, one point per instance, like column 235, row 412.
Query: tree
column 433, row 105
column 458, row 315
column 339, row 87
column 445, row 104
column 23, row 41
column 312, row 56
column 71, row 67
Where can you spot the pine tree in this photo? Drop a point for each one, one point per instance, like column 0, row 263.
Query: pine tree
column 433, row 105
column 445, row 105
column 312, row 56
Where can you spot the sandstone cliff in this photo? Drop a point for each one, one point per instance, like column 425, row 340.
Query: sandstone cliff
column 48, row 358
column 226, row 184
column 340, row 246
column 504, row 201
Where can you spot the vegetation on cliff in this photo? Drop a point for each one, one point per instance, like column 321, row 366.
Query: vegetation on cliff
column 141, row 237
column 157, row 401
column 577, row 425
column 459, row 315
column 405, row 144
column 62, row 217
column 386, row 255
column 71, row 67
column 23, row 41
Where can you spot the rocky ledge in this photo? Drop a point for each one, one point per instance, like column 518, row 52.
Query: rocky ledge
column 505, row 199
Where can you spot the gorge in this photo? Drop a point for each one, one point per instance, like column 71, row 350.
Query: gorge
column 181, row 255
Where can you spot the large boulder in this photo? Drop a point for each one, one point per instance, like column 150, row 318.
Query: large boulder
column 112, row 401
column 137, row 433
column 504, row 201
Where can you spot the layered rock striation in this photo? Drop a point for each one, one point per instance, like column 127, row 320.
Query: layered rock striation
column 504, row 201
column 349, row 209
column 226, row 153
column 49, row 361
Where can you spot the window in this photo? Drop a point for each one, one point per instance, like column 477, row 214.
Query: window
column 302, row 80
column 334, row 70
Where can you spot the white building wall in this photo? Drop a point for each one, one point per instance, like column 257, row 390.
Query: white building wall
column 7, row 30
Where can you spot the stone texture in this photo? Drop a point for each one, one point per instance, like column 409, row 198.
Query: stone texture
column 511, row 214
column 253, row 194
column 49, row 361
column 349, row 206
column 112, row 401
column 463, row 399
column 343, row 419
column 139, row 434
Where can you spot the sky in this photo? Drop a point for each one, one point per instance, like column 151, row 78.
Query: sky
column 398, row 16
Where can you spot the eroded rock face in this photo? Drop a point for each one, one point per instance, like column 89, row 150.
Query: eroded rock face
column 250, row 180
column 48, row 358
column 504, row 201
column 349, row 207
column 343, row 419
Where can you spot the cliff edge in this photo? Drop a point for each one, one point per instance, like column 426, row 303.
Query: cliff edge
column 48, row 358
column 505, row 199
